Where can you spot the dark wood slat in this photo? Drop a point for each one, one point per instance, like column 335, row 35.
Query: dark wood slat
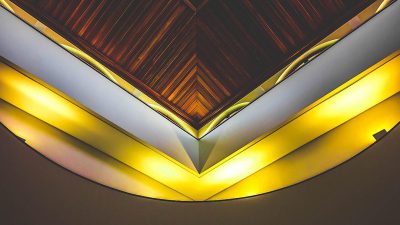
column 195, row 57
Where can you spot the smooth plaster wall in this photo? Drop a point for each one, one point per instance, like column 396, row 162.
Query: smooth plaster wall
column 365, row 190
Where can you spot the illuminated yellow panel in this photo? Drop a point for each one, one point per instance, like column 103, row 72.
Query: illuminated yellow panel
column 323, row 153
column 345, row 103
column 368, row 91
column 35, row 99
column 80, row 158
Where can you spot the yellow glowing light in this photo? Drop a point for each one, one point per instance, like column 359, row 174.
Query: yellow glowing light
column 322, row 154
column 35, row 99
column 378, row 85
column 237, row 167
column 80, row 158
column 123, row 84
column 383, row 5
column 6, row 5
column 353, row 98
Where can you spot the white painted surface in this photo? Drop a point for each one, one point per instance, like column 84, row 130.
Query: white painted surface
column 29, row 49
column 361, row 49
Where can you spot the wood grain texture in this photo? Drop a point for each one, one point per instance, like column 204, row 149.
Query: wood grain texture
column 195, row 57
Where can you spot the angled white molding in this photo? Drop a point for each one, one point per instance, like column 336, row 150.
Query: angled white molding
column 32, row 51
column 377, row 38
column 27, row 48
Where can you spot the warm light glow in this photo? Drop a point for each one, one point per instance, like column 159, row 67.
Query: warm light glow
column 383, row 5
column 128, row 87
column 70, row 153
column 44, row 104
column 322, row 154
column 366, row 92
column 101, row 68
column 6, row 5
column 357, row 100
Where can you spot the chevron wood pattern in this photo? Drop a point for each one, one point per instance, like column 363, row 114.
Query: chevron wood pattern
column 195, row 57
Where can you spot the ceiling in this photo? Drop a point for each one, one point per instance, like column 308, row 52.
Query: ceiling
column 194, row 57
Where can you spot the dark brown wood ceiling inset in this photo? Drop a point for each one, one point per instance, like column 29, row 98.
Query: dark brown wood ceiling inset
column 195, row 57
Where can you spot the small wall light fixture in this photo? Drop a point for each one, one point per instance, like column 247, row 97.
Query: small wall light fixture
column 380, row 134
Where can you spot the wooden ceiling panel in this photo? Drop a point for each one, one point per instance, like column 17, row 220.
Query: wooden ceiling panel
column 195, row 57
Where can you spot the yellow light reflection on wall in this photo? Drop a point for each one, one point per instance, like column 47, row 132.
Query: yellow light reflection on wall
column 368, row 91
column 35, row 99
column 80, row 158
column 357, row 97
column 322, row 154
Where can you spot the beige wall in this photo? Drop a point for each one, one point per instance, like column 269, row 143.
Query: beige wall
column 365, row 190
